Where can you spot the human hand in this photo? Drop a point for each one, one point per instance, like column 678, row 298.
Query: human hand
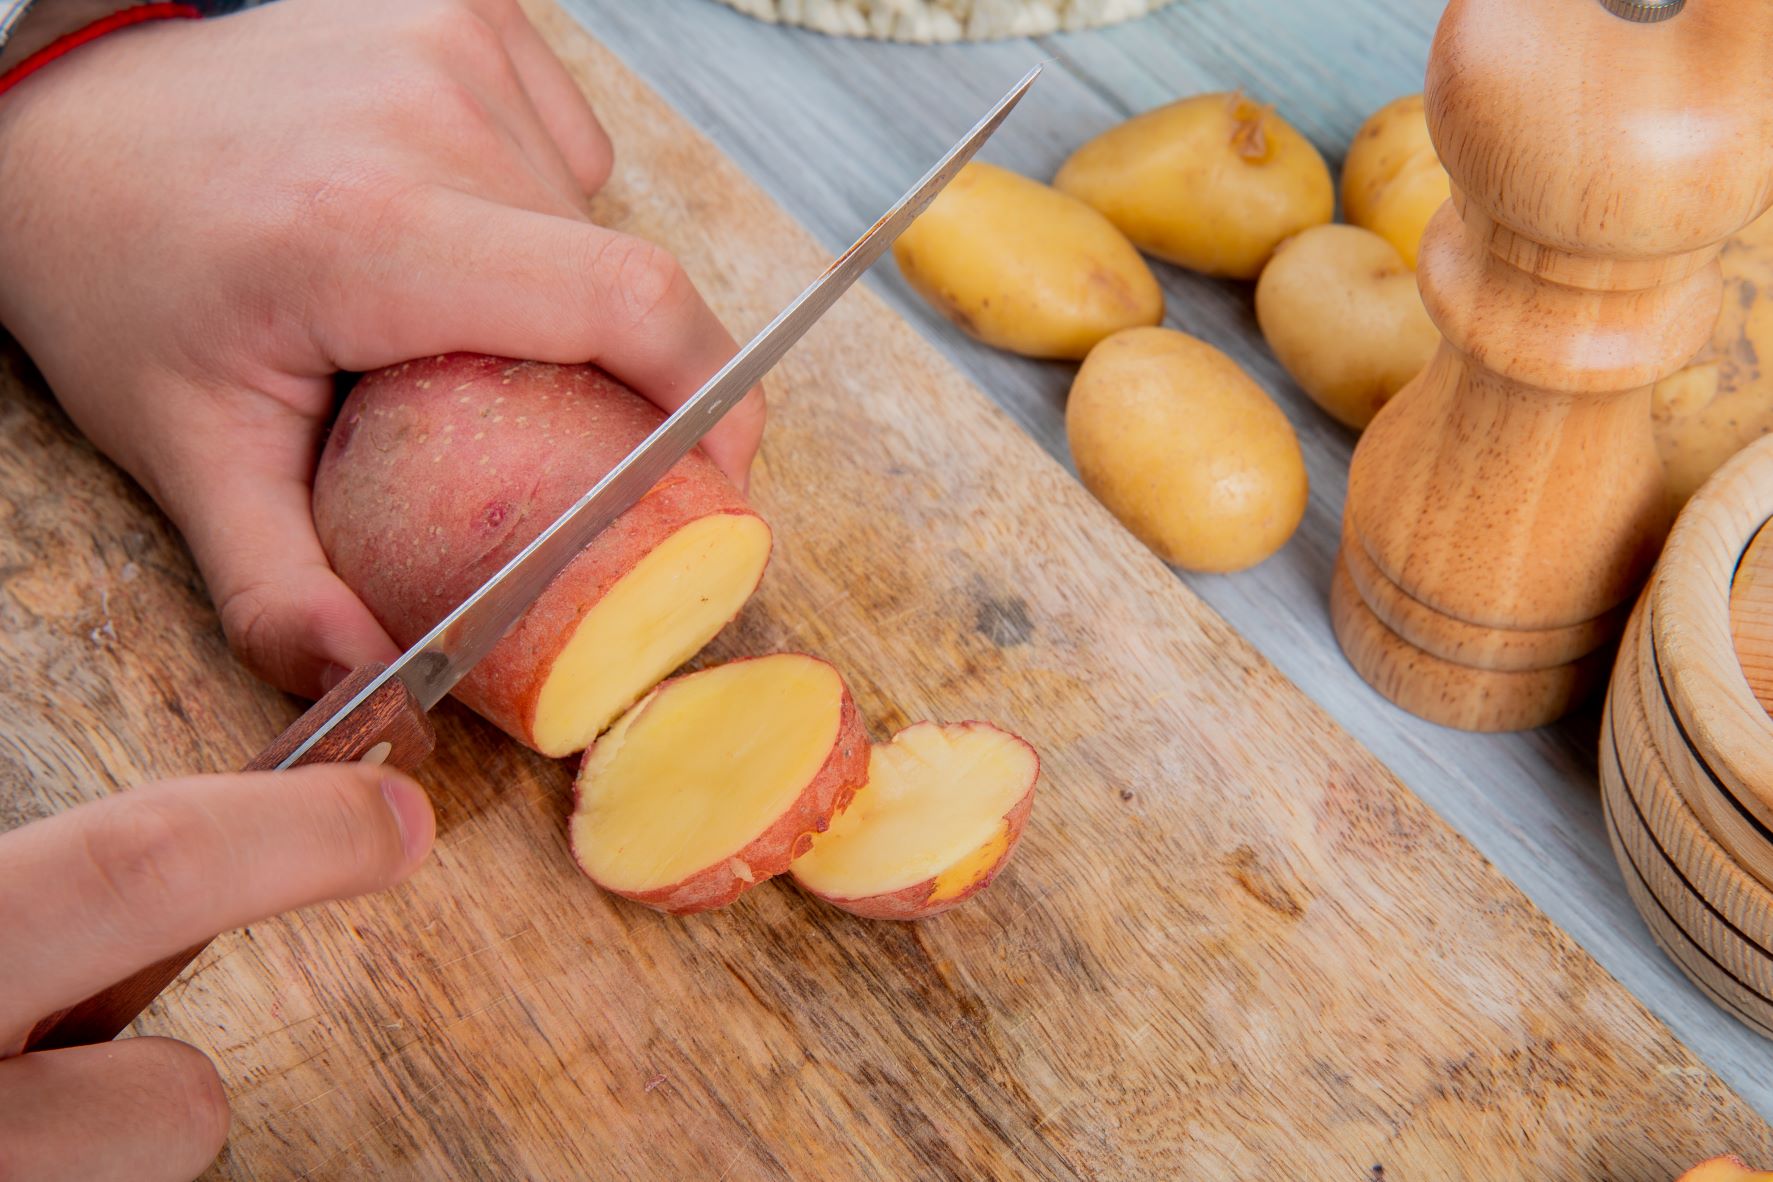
column 204, row 221
column 91, row 895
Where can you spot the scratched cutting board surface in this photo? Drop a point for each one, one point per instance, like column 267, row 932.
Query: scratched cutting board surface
column 1231, row 946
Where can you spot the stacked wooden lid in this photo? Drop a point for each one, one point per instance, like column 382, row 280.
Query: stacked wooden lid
column 1687, row 744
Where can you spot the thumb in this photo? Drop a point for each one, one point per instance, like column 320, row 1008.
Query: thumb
column 286, row 615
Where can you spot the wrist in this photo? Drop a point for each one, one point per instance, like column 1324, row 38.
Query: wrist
column 49, row 29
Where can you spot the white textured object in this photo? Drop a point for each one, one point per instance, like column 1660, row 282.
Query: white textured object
column 944, row 20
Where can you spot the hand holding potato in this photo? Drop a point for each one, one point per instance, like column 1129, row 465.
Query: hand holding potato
column 91, row 895
column 303, row 188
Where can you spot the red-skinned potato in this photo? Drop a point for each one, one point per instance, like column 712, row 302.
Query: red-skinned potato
column 717, row 780
column 437, row 471
column 938, row 818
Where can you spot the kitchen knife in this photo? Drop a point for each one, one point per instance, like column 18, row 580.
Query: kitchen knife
column 377, row 713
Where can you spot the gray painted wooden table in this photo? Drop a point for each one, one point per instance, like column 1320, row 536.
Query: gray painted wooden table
column 835, row 129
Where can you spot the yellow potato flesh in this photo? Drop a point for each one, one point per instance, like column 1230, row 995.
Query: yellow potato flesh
column 1025, row 268
column 933, row 809
column 1185, row 450
column 703, row 767
column 651, row 621
column 1724, row 1169
column 1214, row 182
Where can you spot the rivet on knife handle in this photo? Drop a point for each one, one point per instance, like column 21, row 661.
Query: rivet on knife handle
column 388, row 727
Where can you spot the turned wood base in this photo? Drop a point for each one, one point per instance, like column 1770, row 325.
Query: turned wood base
column 1448, row 692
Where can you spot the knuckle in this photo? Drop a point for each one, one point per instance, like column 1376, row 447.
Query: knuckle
column 448, row 102
column 140, row 851
column 327, row 199
column 463, row 39
column 645, row 280
column 253, row 621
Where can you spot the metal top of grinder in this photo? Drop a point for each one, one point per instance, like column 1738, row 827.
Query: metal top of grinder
column 1644, row 11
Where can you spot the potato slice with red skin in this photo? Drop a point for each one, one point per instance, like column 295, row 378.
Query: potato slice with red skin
column 717, row 780
column 439, row 470
column 938, row 819
column 1724, row 1169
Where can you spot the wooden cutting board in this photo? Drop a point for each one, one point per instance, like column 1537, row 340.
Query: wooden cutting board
column 1231, row 946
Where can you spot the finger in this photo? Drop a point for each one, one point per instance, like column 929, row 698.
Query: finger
column 474, row 109
column 503, row 86
column 559, row 103
column 522, row 284
column 288, row 617
column 136, row 1110
column 245, row 511
column 140, row 876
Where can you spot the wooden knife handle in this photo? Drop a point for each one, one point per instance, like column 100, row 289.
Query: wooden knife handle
column 390, row 716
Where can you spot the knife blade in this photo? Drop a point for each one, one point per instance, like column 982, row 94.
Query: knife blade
column 440, row 658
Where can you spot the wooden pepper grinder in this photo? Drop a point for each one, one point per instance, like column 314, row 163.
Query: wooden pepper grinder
column 1504, row 508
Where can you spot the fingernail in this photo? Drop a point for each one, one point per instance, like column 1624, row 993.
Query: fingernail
column 331, row 676
column 412, row 815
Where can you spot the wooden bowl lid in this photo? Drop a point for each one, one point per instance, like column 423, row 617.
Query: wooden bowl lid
column 1693, row 651
column 1751, row 616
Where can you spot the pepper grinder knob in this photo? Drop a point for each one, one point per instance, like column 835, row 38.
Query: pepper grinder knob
column 1646, row 12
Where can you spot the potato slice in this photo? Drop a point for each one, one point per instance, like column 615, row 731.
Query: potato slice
column 943, row 809
column 716, row 780
column 653, row 619
column 1724, row 1169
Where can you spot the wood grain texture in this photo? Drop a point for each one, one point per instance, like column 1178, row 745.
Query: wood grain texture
column 1630, row 752
column 1230, row 944
column 774, row 99
column 1574, row 266
column 1716, row 736
column 390, row 716
column 387, row 727
column 1751, row 616
column 1725, row 912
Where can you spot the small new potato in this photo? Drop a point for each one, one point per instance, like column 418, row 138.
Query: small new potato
column 1183, row 447
column 1723, row 399
column 1392, row 179
column 1023, row 267
column 1213, row 182
column 1343, row 316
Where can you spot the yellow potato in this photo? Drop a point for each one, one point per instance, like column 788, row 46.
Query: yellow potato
column 1723, row 400
column 1212, row 182
column 1021, row 266
column 1343, row 316
column 1185, row 449
column 1392, row 179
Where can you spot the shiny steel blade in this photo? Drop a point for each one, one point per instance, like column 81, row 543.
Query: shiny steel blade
column 444, row 655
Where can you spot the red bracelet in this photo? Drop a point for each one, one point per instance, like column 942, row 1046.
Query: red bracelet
column 69, row 42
